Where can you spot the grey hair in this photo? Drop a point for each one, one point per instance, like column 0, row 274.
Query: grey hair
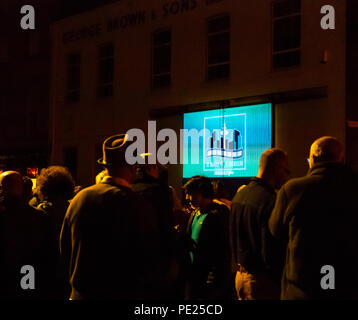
column 327, row 149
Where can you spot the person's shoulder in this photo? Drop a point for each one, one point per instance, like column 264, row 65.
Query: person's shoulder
column 219, row 208
column 38, row 214
column 33, row 210
column 300, row 181
column 253, row 191
column 297, row 185
column 93, row 190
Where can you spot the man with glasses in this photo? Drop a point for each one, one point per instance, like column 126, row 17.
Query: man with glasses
column 316, row 218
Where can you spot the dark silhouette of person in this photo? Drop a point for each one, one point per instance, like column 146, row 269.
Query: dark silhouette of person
column 110, row 238
column 28, row 185
column 221, row 193
column 55, row 187
column 209, row 274
column 256, row 277
column 315, row 217
column 151, row 183
column 25, row 240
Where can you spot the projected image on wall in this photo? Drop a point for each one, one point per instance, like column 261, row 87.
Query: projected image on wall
column 226, row 142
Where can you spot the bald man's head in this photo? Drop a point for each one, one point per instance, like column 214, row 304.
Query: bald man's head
column 326, row 149
column 12, row 185
column 273, row 167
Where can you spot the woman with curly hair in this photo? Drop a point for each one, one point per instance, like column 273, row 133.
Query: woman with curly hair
column 55, row 187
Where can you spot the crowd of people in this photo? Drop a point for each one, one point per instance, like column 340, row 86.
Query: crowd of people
column 129, row 236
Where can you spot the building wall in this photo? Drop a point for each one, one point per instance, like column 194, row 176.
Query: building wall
column 25, row 66
column 298, row 123
column 352, row 78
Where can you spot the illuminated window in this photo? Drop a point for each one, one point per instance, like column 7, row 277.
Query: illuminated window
column 73, row 76
column 286, row 33
column 106, row 65
column 161, row 55
column 218, row 47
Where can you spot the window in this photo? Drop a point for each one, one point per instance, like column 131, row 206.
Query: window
column 286, row 33
column 106, row 65
column 161, row 64
column 218, row 47
column 73, row 77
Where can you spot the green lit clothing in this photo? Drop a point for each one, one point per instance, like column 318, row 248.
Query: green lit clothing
column 195, row 229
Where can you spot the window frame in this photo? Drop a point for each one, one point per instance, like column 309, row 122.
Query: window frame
column 100, row 59
column 298, row 49
column 68, row 66
column 153, row 47
column 207, row 46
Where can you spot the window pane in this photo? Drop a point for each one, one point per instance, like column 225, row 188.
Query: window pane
column 73, row 96
column 287, row 33
column 73, row 59
column 160, row 38
column 287, row 59
column 218, row 72
column 105, row 91
column 219, row 24
column 219, row 48
column 106, row 51
column 161, row 64
column 106, row 71
column 73, row 77
column 283, row 8
column 161, row 81
column 162, row 60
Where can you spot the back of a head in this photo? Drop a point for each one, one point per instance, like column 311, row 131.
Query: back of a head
column 270, row 158
column 117, row 165
column 201, row 185
column 220, row 190
column 55, row 182
column 326, row 149
column 12, row 185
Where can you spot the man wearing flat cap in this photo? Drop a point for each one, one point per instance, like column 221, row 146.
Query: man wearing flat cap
column 109, row 241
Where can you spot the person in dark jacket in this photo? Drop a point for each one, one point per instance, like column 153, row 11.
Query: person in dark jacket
column 25, row 240
column 221, row 193
column 109, row 237
column 250, row 210
column 55, row 187
column 209, row 272
column 151, row 185
column 316, row 218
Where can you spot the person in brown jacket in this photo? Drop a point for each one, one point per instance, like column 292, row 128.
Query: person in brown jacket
column 110, row 238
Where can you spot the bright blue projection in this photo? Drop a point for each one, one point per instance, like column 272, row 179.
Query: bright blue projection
column 226, row 142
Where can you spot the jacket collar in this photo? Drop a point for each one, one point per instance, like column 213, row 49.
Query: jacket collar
column 119, row 182
column 326, row 167
column 260, row 181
